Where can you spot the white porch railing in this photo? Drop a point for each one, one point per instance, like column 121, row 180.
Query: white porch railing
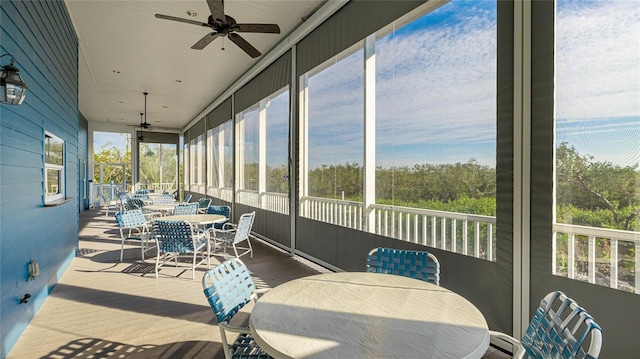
column 457, row 232
column 156, row 186
column 271, row 201
column 592, row 254
column 597, row 255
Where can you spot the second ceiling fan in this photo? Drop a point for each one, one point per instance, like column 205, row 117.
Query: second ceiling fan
column 225, row 25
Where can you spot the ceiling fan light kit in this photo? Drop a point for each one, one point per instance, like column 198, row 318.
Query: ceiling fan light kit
column 224, row 25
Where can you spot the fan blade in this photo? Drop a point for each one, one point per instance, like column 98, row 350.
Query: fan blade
column 217, row 11
column 206, row 40
column 244, row 45
column 173, row 18
column 263, row 28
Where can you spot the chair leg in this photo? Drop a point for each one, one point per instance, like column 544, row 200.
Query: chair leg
column 121, row 245
column 157, row 264
column 250, row 248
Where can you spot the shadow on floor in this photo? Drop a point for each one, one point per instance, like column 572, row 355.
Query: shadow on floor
column 99, row 348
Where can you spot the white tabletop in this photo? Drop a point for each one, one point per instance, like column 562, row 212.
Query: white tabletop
column 197, row 219
column 161, row 207
column 367, row 315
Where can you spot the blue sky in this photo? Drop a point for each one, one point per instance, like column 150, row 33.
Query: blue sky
column 436, row 92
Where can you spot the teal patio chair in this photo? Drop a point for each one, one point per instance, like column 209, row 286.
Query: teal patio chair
column 109, row 205
column 560, row 328
column 187, row 198
column 235, row 235
column 409, row 263
column 185, row 209
column 203, row 204
column 176, row 239
column 221, row 210
column 228, row 287
column 136, row 226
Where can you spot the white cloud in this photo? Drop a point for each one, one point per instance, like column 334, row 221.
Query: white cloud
column 598, row 60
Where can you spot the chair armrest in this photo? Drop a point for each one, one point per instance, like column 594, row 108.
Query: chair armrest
column 259, row 293
column 231, row 328
column 507, row 342
column 229, row 226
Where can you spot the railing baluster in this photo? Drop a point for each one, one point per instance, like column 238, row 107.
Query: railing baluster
column 490, row 255
column 592, row 259
column 443, row 233
column 424, row 230
column 476, row 242
column 465, row 233
column 554, row 251
column 614, row 263
column 433, row 231
column 571, row 259
column 454, row 235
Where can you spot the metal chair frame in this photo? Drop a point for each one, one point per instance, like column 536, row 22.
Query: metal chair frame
column 133, row 220
column 228, row 287
column 560, row 328
column 179, row 238
column 237, row 234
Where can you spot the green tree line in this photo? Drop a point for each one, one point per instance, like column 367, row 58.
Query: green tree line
column 588, row 192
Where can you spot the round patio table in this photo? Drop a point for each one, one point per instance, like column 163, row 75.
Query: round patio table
column 367, row 315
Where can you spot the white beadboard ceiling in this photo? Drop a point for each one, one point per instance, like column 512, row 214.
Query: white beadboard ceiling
column 152, row 55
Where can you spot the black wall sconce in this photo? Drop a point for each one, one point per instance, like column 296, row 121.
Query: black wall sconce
column 13, row 89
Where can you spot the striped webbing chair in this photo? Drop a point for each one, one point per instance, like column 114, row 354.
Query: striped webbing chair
column 179, row 238
column 203, row 204
column 221, row 210
column 414, row 264
column 228, row 287
column 237, row 234
column 135, row 223
column 185, row 208
column 560, row 328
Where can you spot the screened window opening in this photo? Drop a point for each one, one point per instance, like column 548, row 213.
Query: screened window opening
column 423, row 91
column 596, row 234
column 262, row 145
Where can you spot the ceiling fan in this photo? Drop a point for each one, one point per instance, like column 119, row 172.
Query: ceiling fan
column 225, row 25
column 141, row 136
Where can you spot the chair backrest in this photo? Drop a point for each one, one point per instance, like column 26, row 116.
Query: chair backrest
column 185, row 208
column 174, row 236
column 187, row 198
column 130, row 219
column 134, row 203
column 228, row 287
column 221, row 210
column 124, row 197
column 415, row 264
column 560, row 328
column 204, row 203
column 163, row 200
column 244, row 227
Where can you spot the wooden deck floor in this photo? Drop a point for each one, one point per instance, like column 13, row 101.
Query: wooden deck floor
column 103, row 308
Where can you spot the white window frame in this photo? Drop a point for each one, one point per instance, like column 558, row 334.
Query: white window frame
column 60, row 195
